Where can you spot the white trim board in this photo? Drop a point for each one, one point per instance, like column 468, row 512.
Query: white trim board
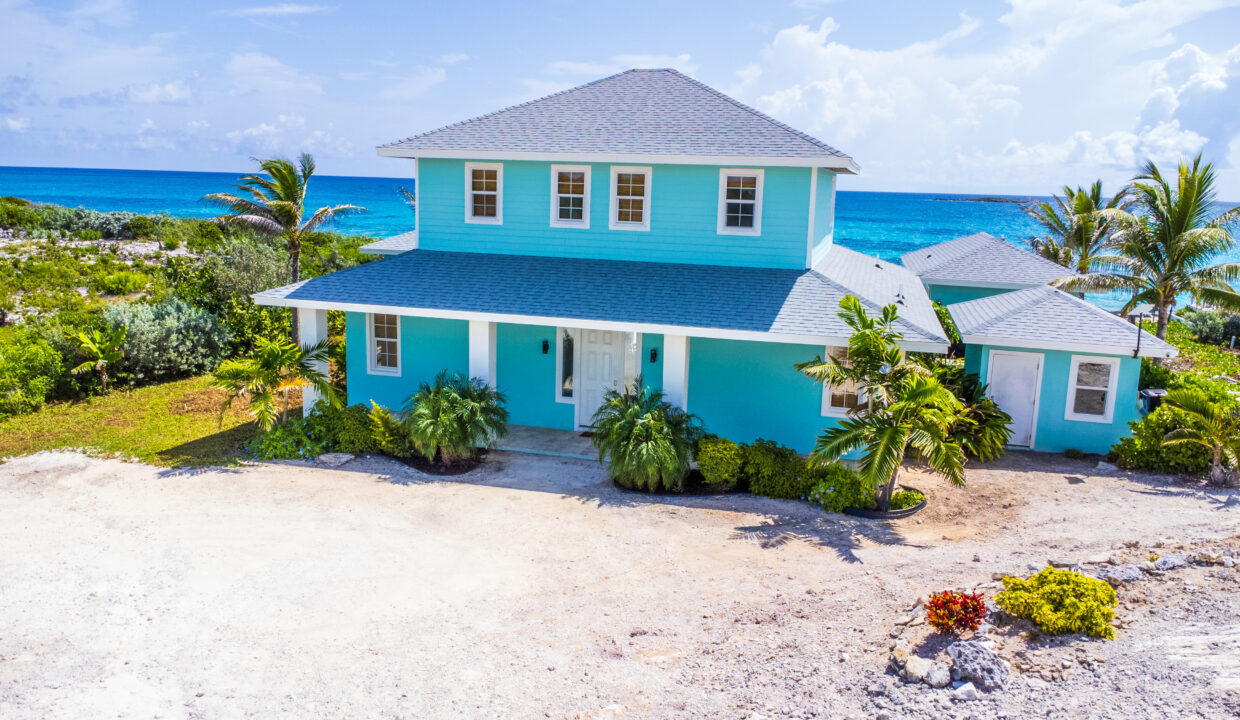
column 838, row 164
column 976, row 284
column 1112, row 387
column 721, row 214
column 716, row 333
column 1093, row 348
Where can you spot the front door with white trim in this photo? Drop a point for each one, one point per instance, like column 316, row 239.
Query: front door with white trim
column 1014, row 381
column 602, row 369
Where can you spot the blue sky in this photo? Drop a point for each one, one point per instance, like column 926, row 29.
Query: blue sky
column 992, row 97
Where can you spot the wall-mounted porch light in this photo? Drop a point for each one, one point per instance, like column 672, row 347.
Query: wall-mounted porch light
column 546, row 346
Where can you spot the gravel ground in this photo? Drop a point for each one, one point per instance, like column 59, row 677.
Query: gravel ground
column 532, row 588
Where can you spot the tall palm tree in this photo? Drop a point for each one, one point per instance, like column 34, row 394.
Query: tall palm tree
column 1167, row 249
column 905, row 406
column 1076, row 231
column 103, row 350
column 275, row 205
column 270, row 374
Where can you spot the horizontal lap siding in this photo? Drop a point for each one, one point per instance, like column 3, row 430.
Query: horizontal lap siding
column 1055, row 433
column 527, row 378
column 683, row 219
column 427, row 346
column 951, row 294
column 749, row 390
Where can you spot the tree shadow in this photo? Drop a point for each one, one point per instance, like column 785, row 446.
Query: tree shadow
column 219, row 450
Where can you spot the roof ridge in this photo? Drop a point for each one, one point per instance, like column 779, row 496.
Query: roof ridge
column 1020, row 307
column 510, row 107
column 951, row 258
column 870, row 303
column 757, row 113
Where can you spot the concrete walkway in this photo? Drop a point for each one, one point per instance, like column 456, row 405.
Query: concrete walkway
column 546, row 441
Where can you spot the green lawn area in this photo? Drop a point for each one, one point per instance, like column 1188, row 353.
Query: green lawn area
column 171, row 425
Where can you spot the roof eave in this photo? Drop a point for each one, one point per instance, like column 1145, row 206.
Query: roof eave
column 987, row 284
column 841, row 164
column 1147, row 349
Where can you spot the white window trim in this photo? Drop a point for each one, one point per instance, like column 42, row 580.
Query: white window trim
column 372, row 367
column 499, row 193
column 1112, row 386
column 721, row 225
column 584, row 222
column 559, row 363
column 614, row 201
column 826, row 409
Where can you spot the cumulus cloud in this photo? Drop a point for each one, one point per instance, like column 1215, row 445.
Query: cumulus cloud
column 176, row 91
column 16, row 124
column 453, row 58
column 254, row 72
column 286, row 135
column 280, row 10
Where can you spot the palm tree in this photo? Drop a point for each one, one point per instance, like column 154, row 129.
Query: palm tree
column 1216, row 428
column 268, row 376
column 1077, row 231
column 648, row 440
column 275, row 204
column 454, row 417
column 905, row 407
column 1167, row 250
column 103, row 350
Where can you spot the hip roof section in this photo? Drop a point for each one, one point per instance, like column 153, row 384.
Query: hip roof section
column 637, row 115
column 778, row 305
column 982, row 260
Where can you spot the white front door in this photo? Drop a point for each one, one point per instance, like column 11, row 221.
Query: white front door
column 1014, row 380
column 602, row 369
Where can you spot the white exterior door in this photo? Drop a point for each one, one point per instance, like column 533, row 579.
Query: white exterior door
column 602, row 369
column 1014, row 381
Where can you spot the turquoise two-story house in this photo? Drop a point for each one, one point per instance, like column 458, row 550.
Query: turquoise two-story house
column 640, row 225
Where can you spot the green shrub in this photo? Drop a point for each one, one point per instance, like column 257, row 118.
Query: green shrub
column 124, row 282
column 945, row 319
column 1153, row 375
column 389, row 434
column 18, row 214
column 1212, row 327
column 648, row 441
column 776, row 471
column 30, row 369
column 294, row 440
column 905, row 499
column 345, row 429
column 1145, row 450
column 168, row 339
column 720, row 460
column 1061, row 602
column 88, row 235
column 140, row 226
column 451, row 419
column 837, row 486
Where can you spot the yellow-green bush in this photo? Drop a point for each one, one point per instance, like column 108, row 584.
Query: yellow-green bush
column 1061, row 602
column 720, row 460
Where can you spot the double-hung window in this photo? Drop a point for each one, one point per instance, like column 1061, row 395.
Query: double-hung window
column 630, row 198
column 740, row 202
column 570, row 196
column 484, row 193
column 383, row 334
column 1091, row 388
column 840, row 399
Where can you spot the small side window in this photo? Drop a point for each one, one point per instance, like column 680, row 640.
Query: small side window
column 840, row 399
column 484, row 193
column 1091, row 388
column 383, row 356
column 565, row 364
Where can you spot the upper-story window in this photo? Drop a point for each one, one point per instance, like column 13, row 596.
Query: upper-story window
column 630, row 198
column 570, row 196
column 740, row 202
column 484, row 193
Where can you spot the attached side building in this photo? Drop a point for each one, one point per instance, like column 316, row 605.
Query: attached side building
column 978, row 266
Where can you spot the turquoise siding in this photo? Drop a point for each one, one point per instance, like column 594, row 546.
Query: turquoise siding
column 683, row 217
column 749, row 390
column 824, row 214
column 651, row 372
column 950, row 294
column 1054, row 432
column 427, row 346
column 526, row 376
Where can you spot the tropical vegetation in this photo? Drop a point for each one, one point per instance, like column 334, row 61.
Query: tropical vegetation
column 647, row 440
column 1077, row 233
column 268, row 376
column 1061, row 602
column 451, row 419
column 1214, row 426
column 905, row 409
column 103, row 351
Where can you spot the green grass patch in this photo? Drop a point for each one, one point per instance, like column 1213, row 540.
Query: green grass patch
column 171, row 425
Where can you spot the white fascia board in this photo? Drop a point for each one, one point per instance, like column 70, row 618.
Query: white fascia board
column 368, row 250
column 1093, row 348
column 838, row 164
column 714, row 333
column 971, row 283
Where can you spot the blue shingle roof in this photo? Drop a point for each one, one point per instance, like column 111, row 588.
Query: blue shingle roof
column 635, row 113
column 756, row 300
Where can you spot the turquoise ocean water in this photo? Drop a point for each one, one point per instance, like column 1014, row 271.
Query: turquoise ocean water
column 883, row 224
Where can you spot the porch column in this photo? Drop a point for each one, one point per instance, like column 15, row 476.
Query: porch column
column 482, row 350
column 676, row 370
column 312, row 325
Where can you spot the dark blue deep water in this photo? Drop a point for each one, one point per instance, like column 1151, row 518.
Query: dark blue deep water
column 884, row 224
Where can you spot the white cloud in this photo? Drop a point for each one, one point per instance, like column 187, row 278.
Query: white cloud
column 16, row 124
column 280, row 10
column 453, row 58
column 176, row 91
column 254, row 72
column 812, row 4
column 414, row 86
column 286, row 136
column 620, row 63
